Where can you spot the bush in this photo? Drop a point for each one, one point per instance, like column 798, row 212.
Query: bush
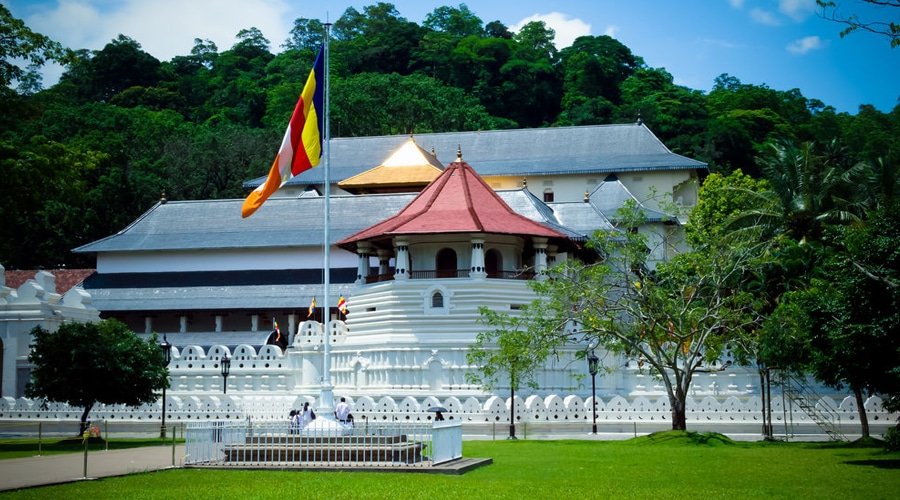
column 892, row 439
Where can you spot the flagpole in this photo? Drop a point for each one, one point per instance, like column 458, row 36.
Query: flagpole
column 326, row 400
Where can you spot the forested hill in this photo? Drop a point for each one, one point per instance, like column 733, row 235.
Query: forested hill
column 82, row 159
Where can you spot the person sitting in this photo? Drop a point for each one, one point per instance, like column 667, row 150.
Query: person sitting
column 342, row 411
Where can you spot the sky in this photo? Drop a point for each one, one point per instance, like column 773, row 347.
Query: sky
column 783, row 44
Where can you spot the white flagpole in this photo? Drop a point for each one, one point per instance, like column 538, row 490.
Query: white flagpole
column 326, row 400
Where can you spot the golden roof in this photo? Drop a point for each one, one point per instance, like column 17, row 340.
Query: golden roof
column 408, row 165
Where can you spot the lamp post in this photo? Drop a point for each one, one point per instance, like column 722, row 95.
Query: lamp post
column 226, row 367
column 593, row 361
column 166, row 348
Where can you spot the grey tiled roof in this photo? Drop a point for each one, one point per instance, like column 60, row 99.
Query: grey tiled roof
column 217, row 224
column 610, row 195
column 280, row 222
column 520, row 152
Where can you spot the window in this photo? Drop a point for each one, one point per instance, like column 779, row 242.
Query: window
column 437, row 300
column 548, row 196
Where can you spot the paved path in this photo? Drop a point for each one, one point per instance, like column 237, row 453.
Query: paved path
column 54, row 469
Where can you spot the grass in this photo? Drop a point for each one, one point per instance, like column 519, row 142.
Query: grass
column 28, row 447
column 663, row 465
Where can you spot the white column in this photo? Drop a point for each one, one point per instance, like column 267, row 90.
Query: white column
column 384, row 262
column 540, row 258
column 362, row 271
column 401, row 271
column 477, row 269
column 551, row 255
column 218, row 322
column 182, row 324
column 254, row 322
column 292, row 325
column 148, row 324
column 10, row 348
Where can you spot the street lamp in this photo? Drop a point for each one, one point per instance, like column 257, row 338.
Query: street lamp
column 226, row 367
column 167, row 356
column 593, row 361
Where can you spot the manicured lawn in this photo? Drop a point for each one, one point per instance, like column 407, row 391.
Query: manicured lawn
column 28, row 447
column 660, row 467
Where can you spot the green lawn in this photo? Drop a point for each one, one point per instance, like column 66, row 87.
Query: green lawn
column 28, row 447
column 660, row 467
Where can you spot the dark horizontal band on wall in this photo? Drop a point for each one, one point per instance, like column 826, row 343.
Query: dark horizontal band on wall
column 218, row 278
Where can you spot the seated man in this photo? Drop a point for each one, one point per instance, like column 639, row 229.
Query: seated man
column 342, row 411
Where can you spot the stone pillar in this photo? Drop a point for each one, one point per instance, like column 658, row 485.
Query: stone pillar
column 292, row 326
column 401, row 269
column 148, row 324
column 362, row 271
column 182, row 323
column 384, row 262
column 477, row 269
column 551, row 255
column 10, row 349
column 254, row 322
column 218, row 322
column 540, row 258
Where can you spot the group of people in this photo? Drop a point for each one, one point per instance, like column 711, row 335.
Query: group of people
column 301, row 418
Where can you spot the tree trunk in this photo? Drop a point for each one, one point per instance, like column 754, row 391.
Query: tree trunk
column 84, row 420
column 512, row 412
column 679, row 418
column 861, row 408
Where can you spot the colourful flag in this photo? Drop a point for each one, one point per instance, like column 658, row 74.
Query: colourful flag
column 277, row 331
column 301, row 148
column 312, row 308
column 342, row 305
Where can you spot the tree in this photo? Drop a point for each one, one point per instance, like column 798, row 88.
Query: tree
column 844, row 327
column 306, row 34
column 514, row 347
column 83, row 364
column 889, row 29
column 676, row 320
column 17, row 41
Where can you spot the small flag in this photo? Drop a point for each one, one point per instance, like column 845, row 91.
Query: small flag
column 277, row 331
column 342, row 305
column 312, row 308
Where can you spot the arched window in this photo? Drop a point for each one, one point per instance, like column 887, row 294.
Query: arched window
column 437, row 300
column 493, row 263
column 445, row 263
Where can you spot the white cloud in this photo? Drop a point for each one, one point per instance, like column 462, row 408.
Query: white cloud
column 764, row 17
column 805, row 45
column 725, row 44
column 164, row 28
column 567, row 29
column 611, row 31
column 737, row 4
column 797, row 10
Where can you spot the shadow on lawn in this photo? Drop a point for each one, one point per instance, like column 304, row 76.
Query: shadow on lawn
column 892, row 463
column 684, row 437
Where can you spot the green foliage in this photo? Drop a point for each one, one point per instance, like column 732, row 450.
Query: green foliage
column 511, row 350
column 82, row 364
column 892, row 439
column 17, row 41
column 720, row 199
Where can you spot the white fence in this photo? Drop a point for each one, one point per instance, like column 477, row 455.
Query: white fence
column 278, row 444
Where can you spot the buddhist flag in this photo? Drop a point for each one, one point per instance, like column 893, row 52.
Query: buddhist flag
column 312, row 308
column 277, row 331
column 342, row 305
column 301, row 147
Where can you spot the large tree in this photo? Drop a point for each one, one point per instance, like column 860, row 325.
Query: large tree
column 674, row 321
column 83, row 364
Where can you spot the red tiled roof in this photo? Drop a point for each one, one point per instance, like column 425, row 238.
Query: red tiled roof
column 65, row 278
column 458, row 201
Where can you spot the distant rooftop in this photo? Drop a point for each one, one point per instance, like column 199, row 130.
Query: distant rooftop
column 539, row 151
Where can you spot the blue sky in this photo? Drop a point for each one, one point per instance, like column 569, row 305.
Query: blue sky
column 780, row 43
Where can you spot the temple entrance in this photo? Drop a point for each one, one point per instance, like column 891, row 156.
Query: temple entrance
column 446, row 263
column 493, row 263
